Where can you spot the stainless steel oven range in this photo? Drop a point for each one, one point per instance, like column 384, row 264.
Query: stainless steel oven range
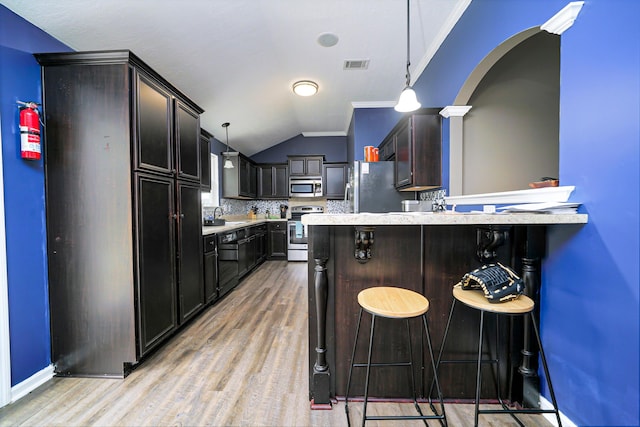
column 297, row 232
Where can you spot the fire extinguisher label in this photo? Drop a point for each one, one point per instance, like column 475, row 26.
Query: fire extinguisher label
column 29, row 142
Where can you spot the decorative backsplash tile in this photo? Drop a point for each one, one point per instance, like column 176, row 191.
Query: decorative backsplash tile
column 242, row 207
column 337, row 207
column 233, row 207
column 432, row 195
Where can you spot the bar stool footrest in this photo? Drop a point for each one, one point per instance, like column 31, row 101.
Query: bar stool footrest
column 403, row 417
column 364, row 365
column 516, row 411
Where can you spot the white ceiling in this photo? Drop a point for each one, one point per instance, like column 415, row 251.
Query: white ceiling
column 238, row 59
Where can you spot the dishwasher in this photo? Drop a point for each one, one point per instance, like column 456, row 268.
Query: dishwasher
column 227, row 262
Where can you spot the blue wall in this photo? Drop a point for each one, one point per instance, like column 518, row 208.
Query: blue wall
column 24, row 199
column 370, row 127
column 591, row 280
column 334, row 149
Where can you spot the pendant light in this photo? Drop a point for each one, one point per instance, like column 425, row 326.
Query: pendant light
column 408, row 100
column 228, row 164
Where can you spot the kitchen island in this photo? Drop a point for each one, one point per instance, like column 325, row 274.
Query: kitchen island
column 427, row 253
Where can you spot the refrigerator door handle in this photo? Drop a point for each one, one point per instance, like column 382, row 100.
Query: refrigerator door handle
column 347, row 187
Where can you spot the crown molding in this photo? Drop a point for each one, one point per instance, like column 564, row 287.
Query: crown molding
column 374, row 104
column 563, row 20
column 455, row 111
column 314, row 134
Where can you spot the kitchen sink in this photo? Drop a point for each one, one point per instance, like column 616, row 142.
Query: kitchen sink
column 214, row 223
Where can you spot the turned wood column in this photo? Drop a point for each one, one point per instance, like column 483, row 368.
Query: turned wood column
column 533, row 251
column 321, row 377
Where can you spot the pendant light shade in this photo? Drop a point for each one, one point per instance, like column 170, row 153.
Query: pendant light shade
column 408, row 100
column 228, row 164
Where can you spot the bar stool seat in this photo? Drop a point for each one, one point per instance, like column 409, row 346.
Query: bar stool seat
column 393, row 303
column 476, row 299
column 523, row 305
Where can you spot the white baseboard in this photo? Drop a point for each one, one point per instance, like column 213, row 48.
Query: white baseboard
column 34, row 381
column 566, row 422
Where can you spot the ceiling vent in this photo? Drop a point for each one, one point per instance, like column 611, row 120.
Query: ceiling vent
column 356, row 64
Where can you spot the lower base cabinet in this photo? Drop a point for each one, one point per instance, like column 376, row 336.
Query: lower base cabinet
column 277, row 240
column 210, row 244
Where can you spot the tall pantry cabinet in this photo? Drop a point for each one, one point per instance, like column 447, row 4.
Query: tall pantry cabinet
column 124, row 232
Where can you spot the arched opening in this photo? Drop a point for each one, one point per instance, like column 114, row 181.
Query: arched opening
column 510, row 136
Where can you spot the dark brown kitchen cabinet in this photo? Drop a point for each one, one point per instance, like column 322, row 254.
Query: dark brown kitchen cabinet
column 210, row 243
column 155, row 240
column 310, row 165
column 277, row 240
column 124, row 234
column 273, row 181
column 160, row 116
column 387, row 148
column 241, row 181
column 190, row 251
column 334, row 176
column 418, row 150
column 187, row 143
column 205, row 160
column 261, row 243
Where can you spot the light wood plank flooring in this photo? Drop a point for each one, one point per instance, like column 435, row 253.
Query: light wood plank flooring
column 243, row 362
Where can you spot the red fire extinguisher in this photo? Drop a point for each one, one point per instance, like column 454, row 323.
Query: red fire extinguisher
column 29, row 131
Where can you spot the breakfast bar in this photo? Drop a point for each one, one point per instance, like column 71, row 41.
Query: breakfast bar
column 428, row 253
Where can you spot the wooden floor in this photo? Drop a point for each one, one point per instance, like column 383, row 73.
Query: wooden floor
column 243, row 362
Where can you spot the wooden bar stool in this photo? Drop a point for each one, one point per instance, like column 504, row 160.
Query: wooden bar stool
column 394, row 303
column 523, row 305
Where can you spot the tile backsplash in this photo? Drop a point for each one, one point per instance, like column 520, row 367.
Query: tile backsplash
column 233, row 207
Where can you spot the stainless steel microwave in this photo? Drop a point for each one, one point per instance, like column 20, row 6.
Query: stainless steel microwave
column 305, row 187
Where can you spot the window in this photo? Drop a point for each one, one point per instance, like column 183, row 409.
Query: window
column 213, row 197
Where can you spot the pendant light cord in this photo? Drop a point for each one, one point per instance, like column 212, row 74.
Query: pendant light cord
column 226, row 128
column 408, row 45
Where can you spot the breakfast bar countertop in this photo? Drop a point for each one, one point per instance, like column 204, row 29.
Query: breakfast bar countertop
column 444, row 218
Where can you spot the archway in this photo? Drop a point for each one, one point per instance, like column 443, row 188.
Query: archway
column 509, row 137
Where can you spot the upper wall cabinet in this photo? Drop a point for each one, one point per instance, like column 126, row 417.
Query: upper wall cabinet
column 187, row 125
column 303, row 166
column 241, row 181
column 273, row 181
column 417, row 139
column 334, row 176
column 387, row 148
column 168, row 131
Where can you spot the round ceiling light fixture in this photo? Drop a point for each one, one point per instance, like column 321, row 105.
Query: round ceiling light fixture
column 305, row 88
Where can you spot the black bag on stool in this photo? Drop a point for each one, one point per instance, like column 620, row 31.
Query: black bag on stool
column 499, row 283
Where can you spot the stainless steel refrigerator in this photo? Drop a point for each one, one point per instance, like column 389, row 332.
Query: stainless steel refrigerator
column 371, row 188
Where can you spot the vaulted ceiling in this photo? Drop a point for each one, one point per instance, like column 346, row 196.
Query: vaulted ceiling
column 238, row 59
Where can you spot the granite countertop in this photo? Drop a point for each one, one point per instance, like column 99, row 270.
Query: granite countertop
column 445, row 218
column 234, row 224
